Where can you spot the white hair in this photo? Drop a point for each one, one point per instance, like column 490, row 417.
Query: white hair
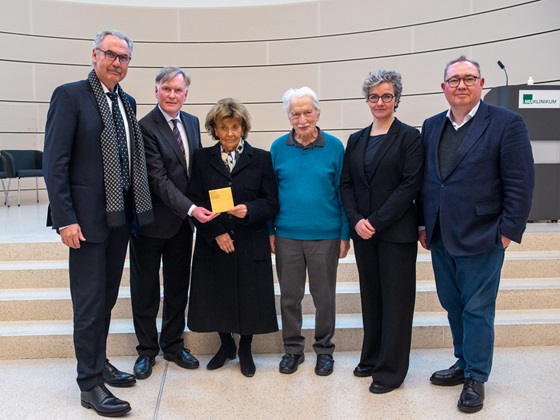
column 298, row 93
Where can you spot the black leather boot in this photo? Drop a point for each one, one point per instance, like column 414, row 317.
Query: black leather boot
column 227, row 350
column 245, row 357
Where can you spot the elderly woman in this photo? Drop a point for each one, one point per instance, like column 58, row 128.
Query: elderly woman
column 232, row 288
column 381, row 177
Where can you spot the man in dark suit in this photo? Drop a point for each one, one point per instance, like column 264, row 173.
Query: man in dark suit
column 95, row 172
column 476, row 197
column 170, row 138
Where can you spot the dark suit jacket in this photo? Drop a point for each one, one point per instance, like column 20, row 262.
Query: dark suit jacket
column 72, row 161
column 168, row 174
column 489, row 190
column 387, row 198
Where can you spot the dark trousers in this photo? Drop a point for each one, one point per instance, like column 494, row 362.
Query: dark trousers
column 95, row 277
column 387, row 273
column 146, row 256
column 467, row 288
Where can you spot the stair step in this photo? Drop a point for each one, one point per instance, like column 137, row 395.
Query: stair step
column 54, row 273
column 55, row 303
column 42, row 339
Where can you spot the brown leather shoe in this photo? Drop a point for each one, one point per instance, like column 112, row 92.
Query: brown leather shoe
column 448, row 377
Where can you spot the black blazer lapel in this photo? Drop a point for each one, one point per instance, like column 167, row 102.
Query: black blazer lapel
column 216, row 161
column 359, row 152
column 191, row 137
column 244, row 159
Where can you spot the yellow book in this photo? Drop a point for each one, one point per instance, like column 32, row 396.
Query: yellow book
column 221, row 200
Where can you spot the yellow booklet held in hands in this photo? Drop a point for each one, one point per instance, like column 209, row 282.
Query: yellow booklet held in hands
column 221, row 200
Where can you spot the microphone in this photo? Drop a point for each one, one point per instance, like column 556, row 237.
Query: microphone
column 504, row 69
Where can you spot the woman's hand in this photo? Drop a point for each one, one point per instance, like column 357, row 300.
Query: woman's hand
column 239, row 211
column 364, row 229
column 225, row 243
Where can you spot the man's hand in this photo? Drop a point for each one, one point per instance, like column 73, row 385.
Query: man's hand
column 344, row 248
column 505, row 241
column 203, row 215
column 422, row 238
column 71, row 236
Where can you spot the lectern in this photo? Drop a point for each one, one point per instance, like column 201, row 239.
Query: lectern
column 540, row 107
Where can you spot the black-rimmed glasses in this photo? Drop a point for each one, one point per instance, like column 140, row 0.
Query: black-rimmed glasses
column 110, row 55
column 467, row 80
column 385, row 98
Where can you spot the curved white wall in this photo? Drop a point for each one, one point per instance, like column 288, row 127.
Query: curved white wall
column 256, row 53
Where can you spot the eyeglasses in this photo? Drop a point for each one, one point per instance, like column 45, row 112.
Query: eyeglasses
column 467, row 80
column 110, row 55
column 385, row 98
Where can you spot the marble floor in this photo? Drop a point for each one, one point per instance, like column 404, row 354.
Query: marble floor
column 521, row 386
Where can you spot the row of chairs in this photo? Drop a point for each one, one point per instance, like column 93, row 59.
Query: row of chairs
column 20, row 164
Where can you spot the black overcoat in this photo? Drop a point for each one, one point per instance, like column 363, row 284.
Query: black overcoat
column 234, row 292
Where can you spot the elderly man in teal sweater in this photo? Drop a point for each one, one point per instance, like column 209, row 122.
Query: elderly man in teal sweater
column 310, row 232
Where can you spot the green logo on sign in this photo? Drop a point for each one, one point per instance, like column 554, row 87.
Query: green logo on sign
column 528, row 98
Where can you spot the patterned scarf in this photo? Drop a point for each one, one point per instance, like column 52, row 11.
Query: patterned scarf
column 111, row 166
column 230, row 158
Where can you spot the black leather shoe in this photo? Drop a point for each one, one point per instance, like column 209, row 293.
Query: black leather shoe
column 183, row 358
column 290, row 362
column 363, row 371
column 225, row 352
column 246, row 362
column 448, row 377
column 379, row 388
column 143, row 366
column 114, row 377
column 104, row 402
column 325, row 364
column 472, row 397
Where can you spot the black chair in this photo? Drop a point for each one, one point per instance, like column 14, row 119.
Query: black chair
column 5, row 173
column 25, row 164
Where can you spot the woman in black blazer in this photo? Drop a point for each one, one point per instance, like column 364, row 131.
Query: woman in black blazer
column 232, row 288
column 381, row 177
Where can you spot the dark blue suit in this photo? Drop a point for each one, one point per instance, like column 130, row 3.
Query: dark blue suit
column 168, row 238
column 487, row 194
column 73, row 170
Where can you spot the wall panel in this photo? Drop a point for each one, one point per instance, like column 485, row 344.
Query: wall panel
column 256, row 53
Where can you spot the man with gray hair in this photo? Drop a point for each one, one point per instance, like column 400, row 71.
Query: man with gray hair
column 310, row 232
column 95, row 172
column 170, row 138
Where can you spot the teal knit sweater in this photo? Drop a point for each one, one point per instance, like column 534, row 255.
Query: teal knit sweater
column 309, row 190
